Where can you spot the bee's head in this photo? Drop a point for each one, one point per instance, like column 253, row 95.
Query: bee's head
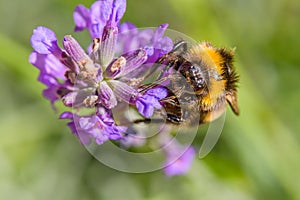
column 220, row 79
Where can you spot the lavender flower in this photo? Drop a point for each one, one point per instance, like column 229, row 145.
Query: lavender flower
column 96, row 79
column 101, row 13
column 153, row 40
column 106, row 77
column 47, row 57
column 99, row 126
column 179, row 160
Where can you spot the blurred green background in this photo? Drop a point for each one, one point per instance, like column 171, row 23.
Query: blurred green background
column 257, row 156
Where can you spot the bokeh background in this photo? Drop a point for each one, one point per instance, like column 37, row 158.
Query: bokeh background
column 257, row 156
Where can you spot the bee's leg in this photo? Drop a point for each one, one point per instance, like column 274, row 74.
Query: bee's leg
column 148, row 121
column 152, row 85
column 145, row 121
column 174, row 119
column 171, row 100
column 169, row 117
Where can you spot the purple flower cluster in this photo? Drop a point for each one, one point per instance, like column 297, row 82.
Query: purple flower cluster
column 104, row 77
column 179, row 159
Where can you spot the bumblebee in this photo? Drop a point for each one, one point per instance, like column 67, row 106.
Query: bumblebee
column 204, row 82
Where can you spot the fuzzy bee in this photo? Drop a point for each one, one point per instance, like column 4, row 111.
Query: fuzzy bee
column 204, row 82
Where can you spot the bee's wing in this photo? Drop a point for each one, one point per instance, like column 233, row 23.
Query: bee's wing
column 147, row 73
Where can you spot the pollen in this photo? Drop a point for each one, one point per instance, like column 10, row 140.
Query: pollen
column 118, row 64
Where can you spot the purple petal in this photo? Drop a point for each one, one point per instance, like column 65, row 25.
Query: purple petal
column 53, row 86
column 115, row 136
column 93, row 19
column 105, row 115
column 51, row 69
column 68, row 62
column 87, row 122
column 180, row 165
column 159, row 32
column 48, row 64
column 153, row 42
column 96, row 30
column 124, row 91
column 44, row 41
column 134, row 60
column 150, row 100
column 108, row 45
column 69, row 99
column 144, row 37
column 158, row 92
column 114, row 132
column 79, row 56
column 119, row 7
column 47, row 79
column 160, row 45
column 127, row 26
column 51, row 93
column 66, row 115
column 144, row 108
column 115, row 67
column 100, row 13
column 73, row 48
column 106, row 96
column 100, row 130
column 100, row 138
column 149, row 50
column 81, row 17
column 100, row 127
column 164, row 44
column 133, row 39
column 81, row 134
